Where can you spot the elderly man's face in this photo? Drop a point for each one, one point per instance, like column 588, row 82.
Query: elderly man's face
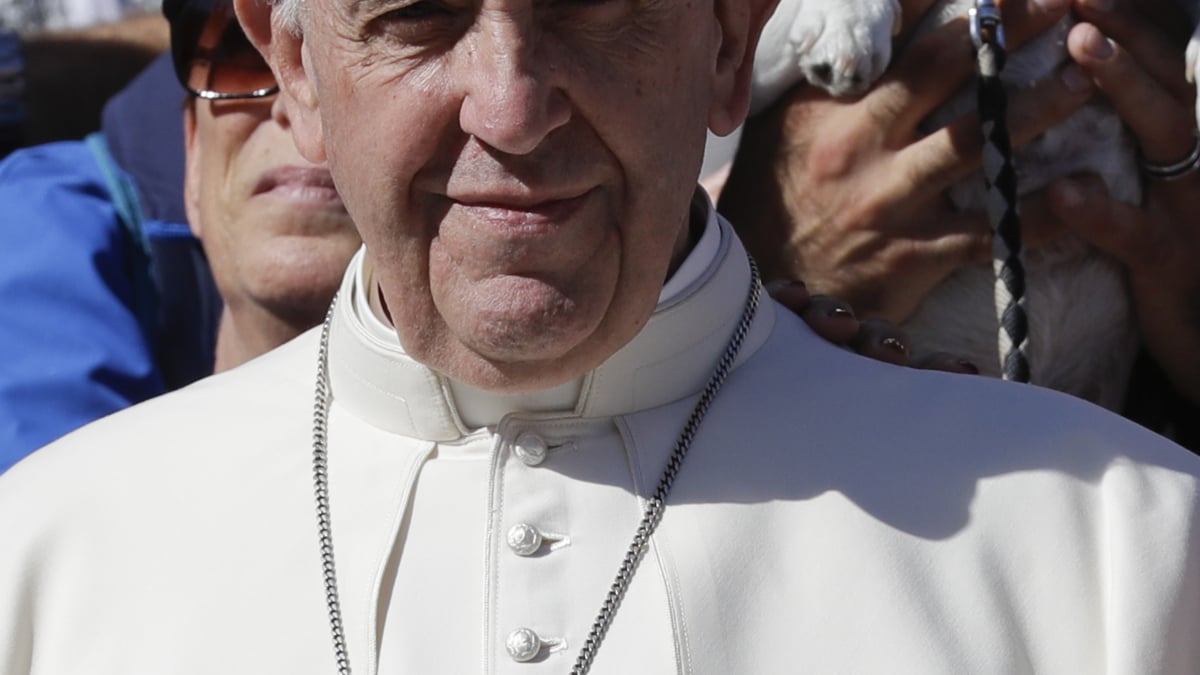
column 275, row 231
column 520, row 169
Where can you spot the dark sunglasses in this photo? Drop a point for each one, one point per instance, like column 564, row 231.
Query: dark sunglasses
column 213, row 59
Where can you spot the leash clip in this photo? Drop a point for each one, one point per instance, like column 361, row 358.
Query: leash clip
column 986, row 26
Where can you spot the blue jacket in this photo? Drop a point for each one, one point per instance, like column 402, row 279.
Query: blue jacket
column 106, row 297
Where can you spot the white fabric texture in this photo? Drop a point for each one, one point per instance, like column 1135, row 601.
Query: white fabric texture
column 835, row 515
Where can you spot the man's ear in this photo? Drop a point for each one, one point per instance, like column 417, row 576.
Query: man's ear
column 740, row 23
column 282, row 45
column 191, row 174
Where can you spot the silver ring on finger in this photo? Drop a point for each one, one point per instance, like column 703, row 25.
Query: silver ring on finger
column 1174, row 170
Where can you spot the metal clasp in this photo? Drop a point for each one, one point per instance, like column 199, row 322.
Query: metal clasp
column 986, row 26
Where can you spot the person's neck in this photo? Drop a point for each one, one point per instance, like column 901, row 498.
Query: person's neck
column 689, row 234
column 246, row 334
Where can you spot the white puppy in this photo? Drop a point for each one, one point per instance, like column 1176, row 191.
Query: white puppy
column 1082, row 333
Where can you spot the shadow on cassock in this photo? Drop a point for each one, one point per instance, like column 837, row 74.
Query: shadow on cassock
column 909, row 448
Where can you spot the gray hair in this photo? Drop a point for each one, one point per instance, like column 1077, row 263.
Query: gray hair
column 289, row 13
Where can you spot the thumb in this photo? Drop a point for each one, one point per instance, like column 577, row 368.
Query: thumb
column 1083, row 204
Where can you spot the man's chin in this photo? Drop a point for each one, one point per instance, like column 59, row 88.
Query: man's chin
column 517, row 361
column 526, row 344
column 297, row 214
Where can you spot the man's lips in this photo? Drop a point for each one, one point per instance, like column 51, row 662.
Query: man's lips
column 523, row 211
column 299, row 183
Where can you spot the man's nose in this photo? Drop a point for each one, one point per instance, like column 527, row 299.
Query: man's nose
column 514, row 98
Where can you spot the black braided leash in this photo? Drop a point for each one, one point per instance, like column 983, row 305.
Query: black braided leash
column 987, row 33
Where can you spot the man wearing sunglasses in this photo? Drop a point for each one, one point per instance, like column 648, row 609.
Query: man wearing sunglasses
column 109, row 298
column 551, row 425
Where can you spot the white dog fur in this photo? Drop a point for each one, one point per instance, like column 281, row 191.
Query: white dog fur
column 1083, row 338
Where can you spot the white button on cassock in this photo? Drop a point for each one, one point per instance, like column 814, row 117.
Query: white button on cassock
column 523, row 645
column 524, row 540
column 530, row 448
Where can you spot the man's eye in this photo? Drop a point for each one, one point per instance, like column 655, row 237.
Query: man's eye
column 418, row 11
column 420, row 23
column 593, row 8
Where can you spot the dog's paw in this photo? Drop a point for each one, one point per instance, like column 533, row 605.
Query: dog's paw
column 844, row 46
column 840, row 45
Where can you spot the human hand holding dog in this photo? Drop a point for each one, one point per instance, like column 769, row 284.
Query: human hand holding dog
column 849, row 194
column 1158, row 242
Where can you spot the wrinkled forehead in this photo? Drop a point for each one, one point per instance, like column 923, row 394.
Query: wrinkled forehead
column 439, row 14
column 427, row 8
column 605, row 38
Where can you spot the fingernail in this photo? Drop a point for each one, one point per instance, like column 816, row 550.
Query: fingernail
column 968, row 367
column 1069, row 194
column 894, row 344
column 1075, row 79
column 1100, row 5
column 1098, row 47
column 840, row 311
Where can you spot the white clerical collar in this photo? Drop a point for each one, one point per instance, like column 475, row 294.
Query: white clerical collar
column 668, row 360
column 478, row 408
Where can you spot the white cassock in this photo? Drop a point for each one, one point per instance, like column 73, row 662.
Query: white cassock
column 834, row 515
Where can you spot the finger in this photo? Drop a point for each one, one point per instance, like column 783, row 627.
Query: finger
column 967, row 237
column 1169, row 16
column 907, row 93
column 1123, row 231
column 915, row 12
column 1158, row 49
column 1163, row 127
column 957, row 239
column 1149, row 25
column 945, row 362
column 1040, row 225
column 832, row 319
column 1157, row 55
column 791, row 293
column 883, row 341
column 949, row 154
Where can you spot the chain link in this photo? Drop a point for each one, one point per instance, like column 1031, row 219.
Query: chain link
column 321, row 489
column 658, row 501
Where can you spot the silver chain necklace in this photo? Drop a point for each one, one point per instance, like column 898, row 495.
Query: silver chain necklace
column 653, row 514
